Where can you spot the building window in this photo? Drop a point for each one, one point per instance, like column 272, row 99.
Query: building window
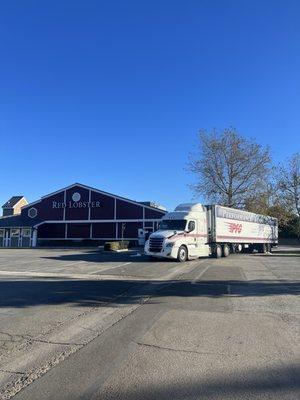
column 1, row 232
column 26, row 232
column 32, row 212
column 15, row 232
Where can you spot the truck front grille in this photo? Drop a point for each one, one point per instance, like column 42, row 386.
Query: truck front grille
column 156, row 244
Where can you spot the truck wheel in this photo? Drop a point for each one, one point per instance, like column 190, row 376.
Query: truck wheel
column 262, row 248
column 248, row 250
column 182, row 254
column 239, row 248
column 217, row 251
column 225, row 250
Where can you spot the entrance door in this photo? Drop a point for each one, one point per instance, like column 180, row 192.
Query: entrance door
column 25, row 237
column 2, row 233
column 6, row 237
column 15, row 237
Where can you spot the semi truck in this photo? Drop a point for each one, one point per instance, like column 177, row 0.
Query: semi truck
column 194, row 230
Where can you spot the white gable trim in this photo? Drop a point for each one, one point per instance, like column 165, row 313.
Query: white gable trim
column 93, row 221
column 97, row 191
column 9, row 216
column 31, row 204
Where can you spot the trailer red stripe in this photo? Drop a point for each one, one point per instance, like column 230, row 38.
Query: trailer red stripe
column 244, row 238
column 179, row 235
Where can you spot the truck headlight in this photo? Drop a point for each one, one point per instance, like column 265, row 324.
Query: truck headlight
column 170, row 244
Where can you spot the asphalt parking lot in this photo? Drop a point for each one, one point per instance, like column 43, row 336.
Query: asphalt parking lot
column 83, row 261
column 84, row 324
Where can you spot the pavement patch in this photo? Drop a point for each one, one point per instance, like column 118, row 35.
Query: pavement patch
column 222, row 333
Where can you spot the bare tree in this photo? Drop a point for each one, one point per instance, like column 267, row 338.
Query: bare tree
column 229, row 168
column 289, row 183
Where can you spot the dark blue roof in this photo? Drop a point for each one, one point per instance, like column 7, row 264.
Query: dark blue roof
column 16, row 221
column 12, row 201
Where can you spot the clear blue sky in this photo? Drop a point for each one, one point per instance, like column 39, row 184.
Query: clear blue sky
column 113, row 93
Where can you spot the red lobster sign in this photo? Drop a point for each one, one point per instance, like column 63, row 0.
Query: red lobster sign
column 234, row 227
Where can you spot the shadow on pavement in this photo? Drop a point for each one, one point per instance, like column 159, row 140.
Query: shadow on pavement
column 29, row 293
column 261, row 383
column 98, row 256
column 286, row 253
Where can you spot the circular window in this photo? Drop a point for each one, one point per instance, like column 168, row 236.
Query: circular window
column 32, row 212
column 76, row 196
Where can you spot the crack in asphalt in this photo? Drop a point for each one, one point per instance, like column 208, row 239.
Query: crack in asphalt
column 13, row 387
column 54, row 326
column 183, row 350
column 30, row 339
column 56, row 343
column 12, row 372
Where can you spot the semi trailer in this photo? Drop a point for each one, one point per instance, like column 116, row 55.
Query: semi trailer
column 194, row 230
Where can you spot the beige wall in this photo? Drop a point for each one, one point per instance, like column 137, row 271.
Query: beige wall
column 19, row 205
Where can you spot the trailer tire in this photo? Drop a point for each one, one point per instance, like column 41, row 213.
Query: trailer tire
column 217, row 251
column 262, row 248
column 248, row 250
column 182, row 255
column 239, row 248
column 225, row 250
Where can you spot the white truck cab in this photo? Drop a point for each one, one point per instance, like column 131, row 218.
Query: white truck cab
column 182, row 234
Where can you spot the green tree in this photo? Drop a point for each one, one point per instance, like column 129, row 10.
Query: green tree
column 288, row 184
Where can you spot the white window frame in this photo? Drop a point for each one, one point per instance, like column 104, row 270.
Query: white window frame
column 28, row 231
column 189, row 224
column 32, row 209
column 13, row 232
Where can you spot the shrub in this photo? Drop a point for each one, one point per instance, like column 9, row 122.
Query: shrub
column 113, row 246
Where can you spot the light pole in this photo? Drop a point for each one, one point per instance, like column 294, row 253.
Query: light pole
column 123, row 229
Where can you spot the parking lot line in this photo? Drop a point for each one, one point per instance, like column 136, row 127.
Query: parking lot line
column 122, row 265
column 182, row 269
column 194, row 281
column 107, row 267
column 70, row 264
column 63, row 276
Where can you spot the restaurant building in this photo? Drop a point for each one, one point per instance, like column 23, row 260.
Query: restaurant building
column 77, row 214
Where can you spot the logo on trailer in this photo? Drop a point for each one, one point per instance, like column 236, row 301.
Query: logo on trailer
column 234, row 227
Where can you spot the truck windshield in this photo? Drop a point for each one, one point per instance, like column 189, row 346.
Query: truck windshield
column 172, row 224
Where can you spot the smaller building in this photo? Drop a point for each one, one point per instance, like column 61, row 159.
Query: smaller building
column 13, row 205
column 77, row 214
